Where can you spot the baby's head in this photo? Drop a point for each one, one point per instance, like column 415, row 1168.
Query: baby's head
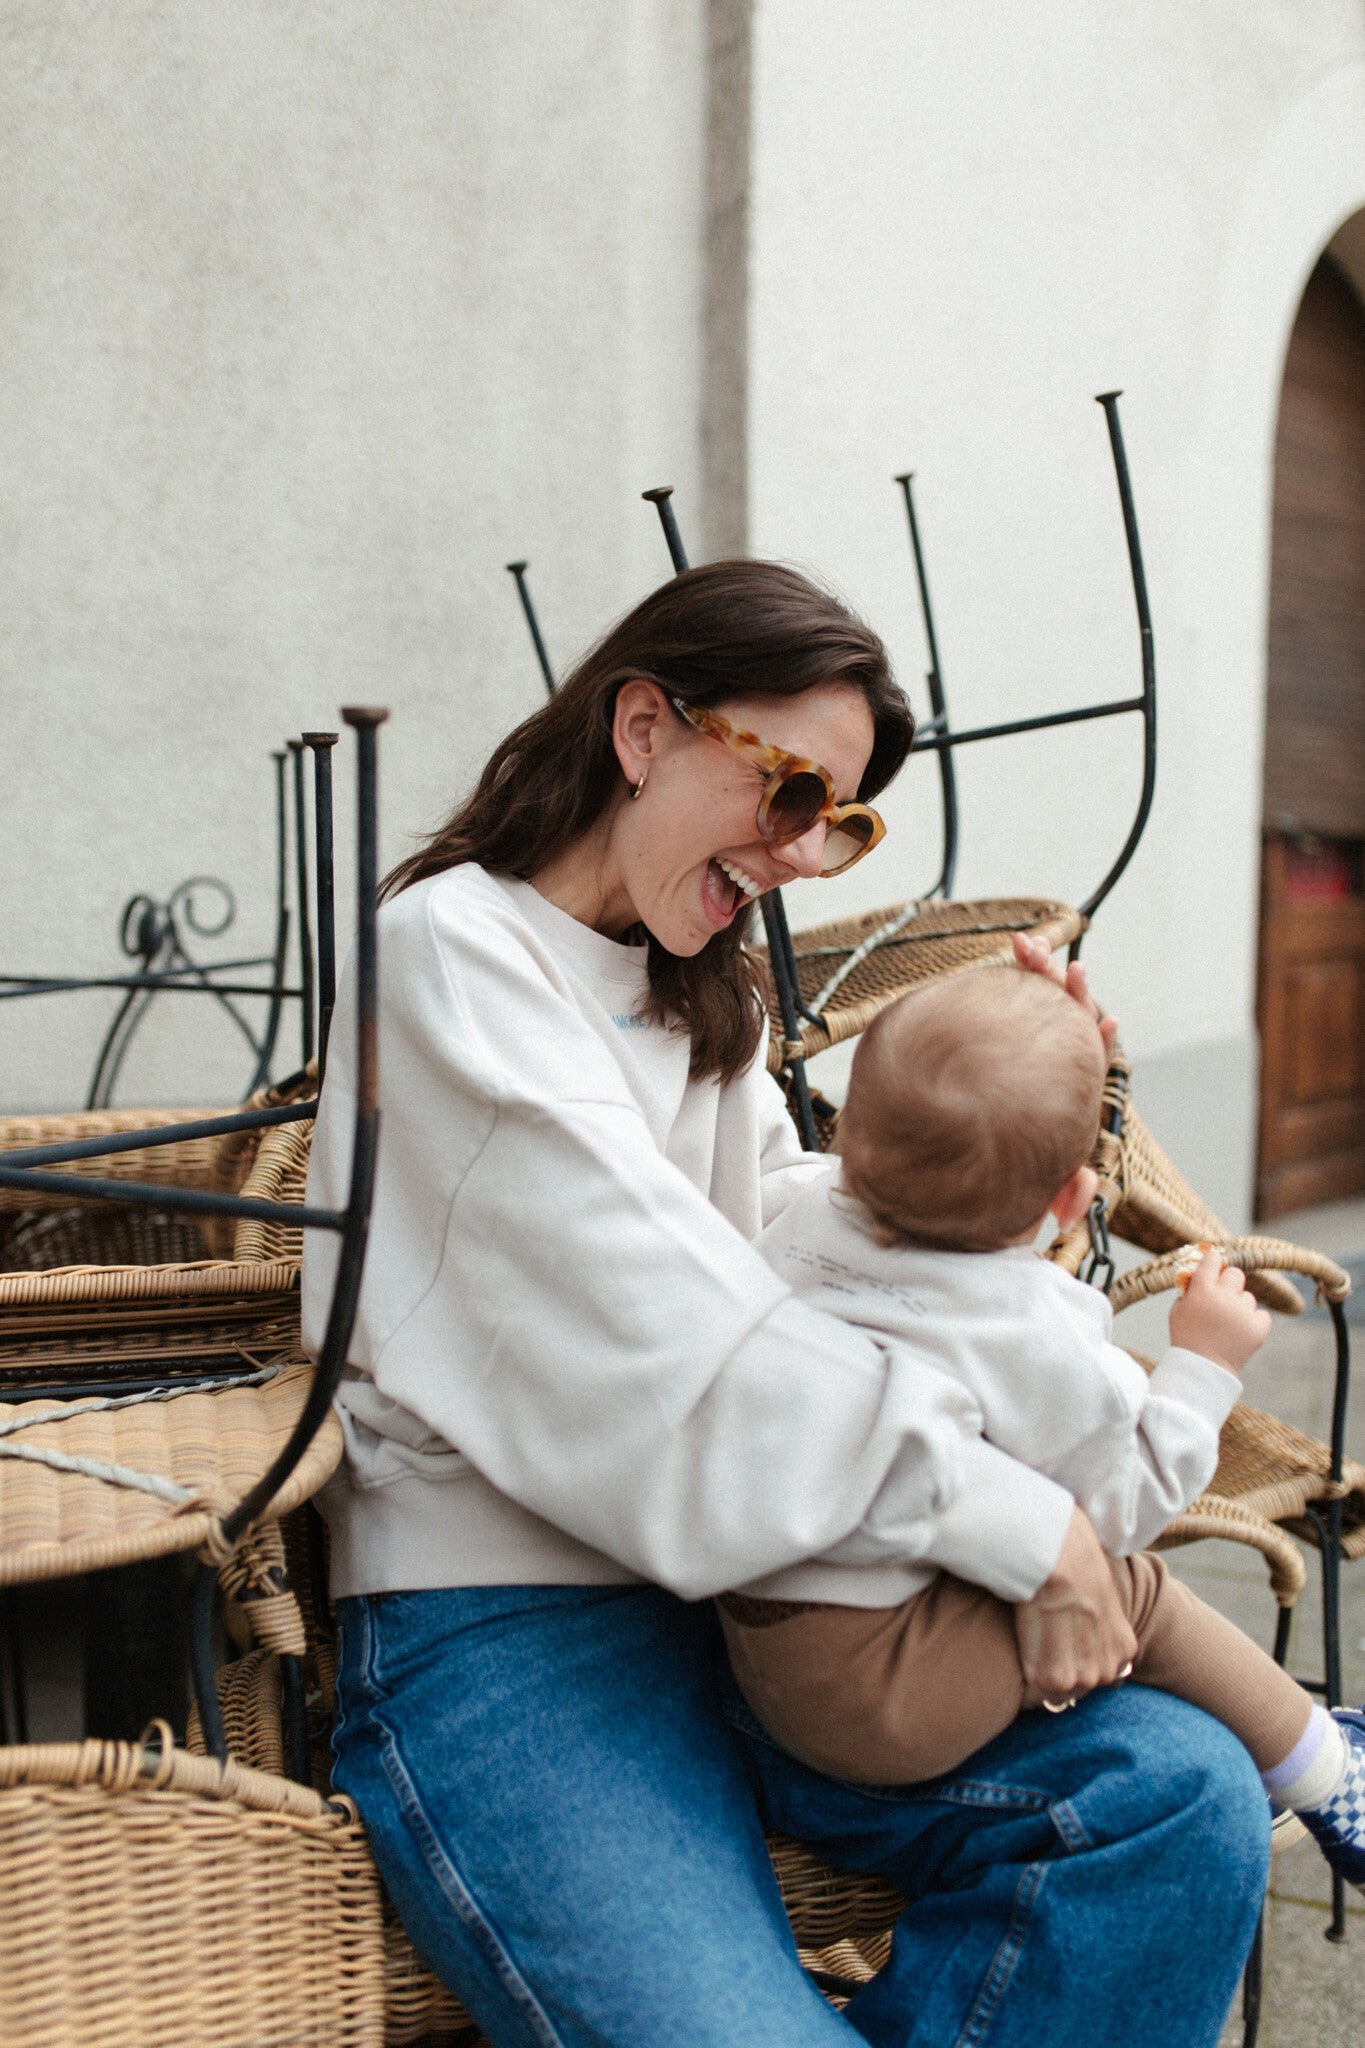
column 972, row 1103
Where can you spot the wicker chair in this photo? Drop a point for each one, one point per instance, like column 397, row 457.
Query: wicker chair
column 152, row 1899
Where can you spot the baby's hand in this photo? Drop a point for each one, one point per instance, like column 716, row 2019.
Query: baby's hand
column 1217, row 1317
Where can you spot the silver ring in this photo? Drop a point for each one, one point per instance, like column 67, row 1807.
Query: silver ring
column 1057, row 1706
column 1126, row 1672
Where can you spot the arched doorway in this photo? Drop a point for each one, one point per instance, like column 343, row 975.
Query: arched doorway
column 1311, row 984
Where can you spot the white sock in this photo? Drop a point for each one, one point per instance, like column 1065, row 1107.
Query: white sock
column 1314, row 1767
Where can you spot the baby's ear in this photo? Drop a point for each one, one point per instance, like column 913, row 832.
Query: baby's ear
column 1072, row 1200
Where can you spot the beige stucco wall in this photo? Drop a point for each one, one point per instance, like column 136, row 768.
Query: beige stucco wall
column 311, row 317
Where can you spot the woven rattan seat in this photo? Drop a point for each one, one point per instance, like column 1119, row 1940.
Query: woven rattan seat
column 215, row 1445
column 936, row 939
column 72, row 1231
column 184, row 1163
column 152, row 1899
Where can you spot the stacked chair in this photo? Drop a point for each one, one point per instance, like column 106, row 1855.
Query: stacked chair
column 153, row 1405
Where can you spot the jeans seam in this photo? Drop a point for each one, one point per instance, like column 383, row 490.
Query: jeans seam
column 453, row 1887
column 1003, row 1962
column 457, row 1892
column 1071, row 1828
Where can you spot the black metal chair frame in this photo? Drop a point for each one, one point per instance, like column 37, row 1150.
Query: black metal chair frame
column 159, row 936
column 27, row 1169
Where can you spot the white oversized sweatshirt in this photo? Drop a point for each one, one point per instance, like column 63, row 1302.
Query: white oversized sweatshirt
column 569, row 1364
column 1031, row 1349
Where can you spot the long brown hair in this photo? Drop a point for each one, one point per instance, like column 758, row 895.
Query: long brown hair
column 727, row 629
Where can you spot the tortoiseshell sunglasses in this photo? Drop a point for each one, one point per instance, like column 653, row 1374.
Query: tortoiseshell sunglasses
column 797, row 794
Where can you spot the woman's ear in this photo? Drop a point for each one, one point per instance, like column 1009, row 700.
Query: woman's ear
column 1072, row 1200
column 639, row 721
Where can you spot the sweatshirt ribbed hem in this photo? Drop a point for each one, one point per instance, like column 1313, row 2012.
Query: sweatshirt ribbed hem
column 413, row 1535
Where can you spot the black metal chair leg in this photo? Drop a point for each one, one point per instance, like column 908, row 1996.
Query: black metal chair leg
column 1253, row 1981
column 201, row 1663
column 1283, row 1623
column 14, row 1700
column 1330, row 1527
column 1328, row 1523
column 294, row 1714
column 1336, row 1928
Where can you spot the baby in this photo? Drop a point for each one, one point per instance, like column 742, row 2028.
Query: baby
column 972, row 1109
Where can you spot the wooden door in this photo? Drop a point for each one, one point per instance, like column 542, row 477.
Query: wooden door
column 1311, row 994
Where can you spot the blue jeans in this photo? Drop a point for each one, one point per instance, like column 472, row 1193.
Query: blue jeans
column 564, row 1794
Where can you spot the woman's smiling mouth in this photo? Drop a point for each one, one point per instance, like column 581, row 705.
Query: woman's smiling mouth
column 724, row 887
column 741, row 880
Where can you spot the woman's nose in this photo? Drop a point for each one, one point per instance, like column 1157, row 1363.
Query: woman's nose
column 806, row 855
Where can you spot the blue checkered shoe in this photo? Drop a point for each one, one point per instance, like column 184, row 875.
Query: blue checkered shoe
column 1338, row 1828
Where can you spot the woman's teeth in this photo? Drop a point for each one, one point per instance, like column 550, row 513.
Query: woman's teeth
column 742, row 881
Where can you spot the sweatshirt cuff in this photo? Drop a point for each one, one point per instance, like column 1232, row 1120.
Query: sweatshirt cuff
column 1196, row 1382
column 1006, row 1524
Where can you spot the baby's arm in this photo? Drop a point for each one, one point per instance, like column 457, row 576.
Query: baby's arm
column 1133, row 1479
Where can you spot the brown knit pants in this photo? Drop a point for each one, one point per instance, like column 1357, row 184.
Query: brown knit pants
column 895, row 1695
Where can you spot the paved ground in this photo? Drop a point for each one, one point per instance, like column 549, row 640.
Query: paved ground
column 1315, row 1990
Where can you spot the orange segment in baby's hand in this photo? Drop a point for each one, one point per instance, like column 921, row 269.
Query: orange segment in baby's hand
column 1189, row 1261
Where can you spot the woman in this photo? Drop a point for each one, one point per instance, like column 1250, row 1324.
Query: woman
column 579, row 1402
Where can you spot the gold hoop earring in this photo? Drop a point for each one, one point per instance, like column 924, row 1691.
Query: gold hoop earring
column 639, row 785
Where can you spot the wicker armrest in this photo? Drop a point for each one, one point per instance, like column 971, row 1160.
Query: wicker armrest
column 1251, row 1254
column 279, row 1173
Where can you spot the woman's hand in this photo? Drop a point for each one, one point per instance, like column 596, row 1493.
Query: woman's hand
column 1073, row 1635
column 1035, row 957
